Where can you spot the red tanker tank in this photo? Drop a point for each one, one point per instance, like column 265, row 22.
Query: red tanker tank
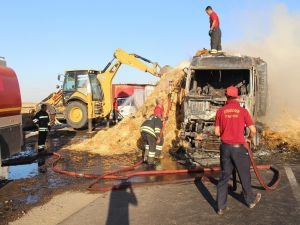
column 10, row 96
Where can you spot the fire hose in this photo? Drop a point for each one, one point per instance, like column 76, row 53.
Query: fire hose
column 257, row 173
column 112, row 175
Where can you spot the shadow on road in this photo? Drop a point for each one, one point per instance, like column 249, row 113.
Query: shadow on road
column 120, row 200
column 208, row 196
column 205, row 193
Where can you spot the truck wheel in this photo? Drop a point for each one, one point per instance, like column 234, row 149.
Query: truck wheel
column 76, row 115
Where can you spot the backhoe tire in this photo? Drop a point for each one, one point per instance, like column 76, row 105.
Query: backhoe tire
column 76, row 115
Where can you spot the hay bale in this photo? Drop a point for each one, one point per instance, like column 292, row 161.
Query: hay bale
column 125, row 136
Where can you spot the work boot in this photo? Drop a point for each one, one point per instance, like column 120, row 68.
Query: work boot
column 42, row 169
column 145, row 159
column 220, row 211
column 257, row 199
column 150, row 160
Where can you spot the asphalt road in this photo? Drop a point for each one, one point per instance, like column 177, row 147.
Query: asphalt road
column 193, row 203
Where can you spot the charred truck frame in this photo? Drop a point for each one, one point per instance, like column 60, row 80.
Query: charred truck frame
column 206, row 81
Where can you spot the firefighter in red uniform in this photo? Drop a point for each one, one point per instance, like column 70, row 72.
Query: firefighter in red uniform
column 214, row 31
column 150, row 132
column 41, row 119
column 231, row 121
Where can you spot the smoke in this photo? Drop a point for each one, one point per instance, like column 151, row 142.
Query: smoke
column 280, row 48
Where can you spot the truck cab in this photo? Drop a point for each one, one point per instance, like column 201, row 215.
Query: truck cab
column 206, row 80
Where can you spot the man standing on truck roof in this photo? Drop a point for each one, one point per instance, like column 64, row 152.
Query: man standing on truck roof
column 231, row 121
column 214, row 31
column 41, row 119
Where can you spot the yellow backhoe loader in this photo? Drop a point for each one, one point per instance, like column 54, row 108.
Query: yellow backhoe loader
column 86, row 95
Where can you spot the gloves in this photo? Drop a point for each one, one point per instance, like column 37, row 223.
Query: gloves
column 158, row 140
column 210, row 32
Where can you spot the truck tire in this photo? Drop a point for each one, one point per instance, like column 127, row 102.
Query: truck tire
column 76, row 115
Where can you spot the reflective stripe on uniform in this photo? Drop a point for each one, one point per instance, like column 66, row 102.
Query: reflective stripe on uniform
column 151, row 154
column 213, row 51
column 146, row 146
column 157, row 130
column 158, row 147
column 42, row 117
column 43, row 129
column 41, row 146
column 35, row 120
column 148, row 130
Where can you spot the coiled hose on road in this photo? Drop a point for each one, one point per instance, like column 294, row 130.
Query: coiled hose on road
column 112, row 175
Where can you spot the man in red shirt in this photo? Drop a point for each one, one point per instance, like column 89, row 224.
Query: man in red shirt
column 159, row 111
column 115, row 110
column 214, row 31
column 231, row 121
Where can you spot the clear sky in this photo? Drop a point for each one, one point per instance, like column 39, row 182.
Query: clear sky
column 41, row 39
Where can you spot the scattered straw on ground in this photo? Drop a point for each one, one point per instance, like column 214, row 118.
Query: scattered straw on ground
column 125, row 136
column 284, row 131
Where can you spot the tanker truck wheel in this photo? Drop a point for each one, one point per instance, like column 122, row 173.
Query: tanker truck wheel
column 76, row 115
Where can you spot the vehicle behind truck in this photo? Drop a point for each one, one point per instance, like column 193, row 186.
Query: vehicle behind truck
column 206, row 81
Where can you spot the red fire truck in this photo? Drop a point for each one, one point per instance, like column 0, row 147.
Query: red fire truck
column 11, row 137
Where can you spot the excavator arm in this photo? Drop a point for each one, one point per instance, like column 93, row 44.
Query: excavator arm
column 108, row 73
column 133, row 60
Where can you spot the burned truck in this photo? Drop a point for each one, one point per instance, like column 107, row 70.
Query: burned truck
column 206, row 80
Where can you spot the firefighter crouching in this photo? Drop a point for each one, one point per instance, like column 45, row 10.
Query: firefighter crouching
column 41, row 119
column 151, row 134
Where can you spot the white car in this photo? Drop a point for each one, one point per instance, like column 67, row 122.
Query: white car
column 126, row 106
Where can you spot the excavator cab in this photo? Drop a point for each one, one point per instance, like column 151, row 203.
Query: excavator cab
column 82, row 81
column 81, row 88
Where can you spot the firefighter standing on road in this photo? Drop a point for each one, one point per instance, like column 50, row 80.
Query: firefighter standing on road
column 41, row 119
column 214, row 31
column 150, row 132
column 231, row 121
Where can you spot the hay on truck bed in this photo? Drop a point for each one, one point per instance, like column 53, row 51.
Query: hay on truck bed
column 125, row 136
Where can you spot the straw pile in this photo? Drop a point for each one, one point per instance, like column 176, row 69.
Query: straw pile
column 125, row 136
